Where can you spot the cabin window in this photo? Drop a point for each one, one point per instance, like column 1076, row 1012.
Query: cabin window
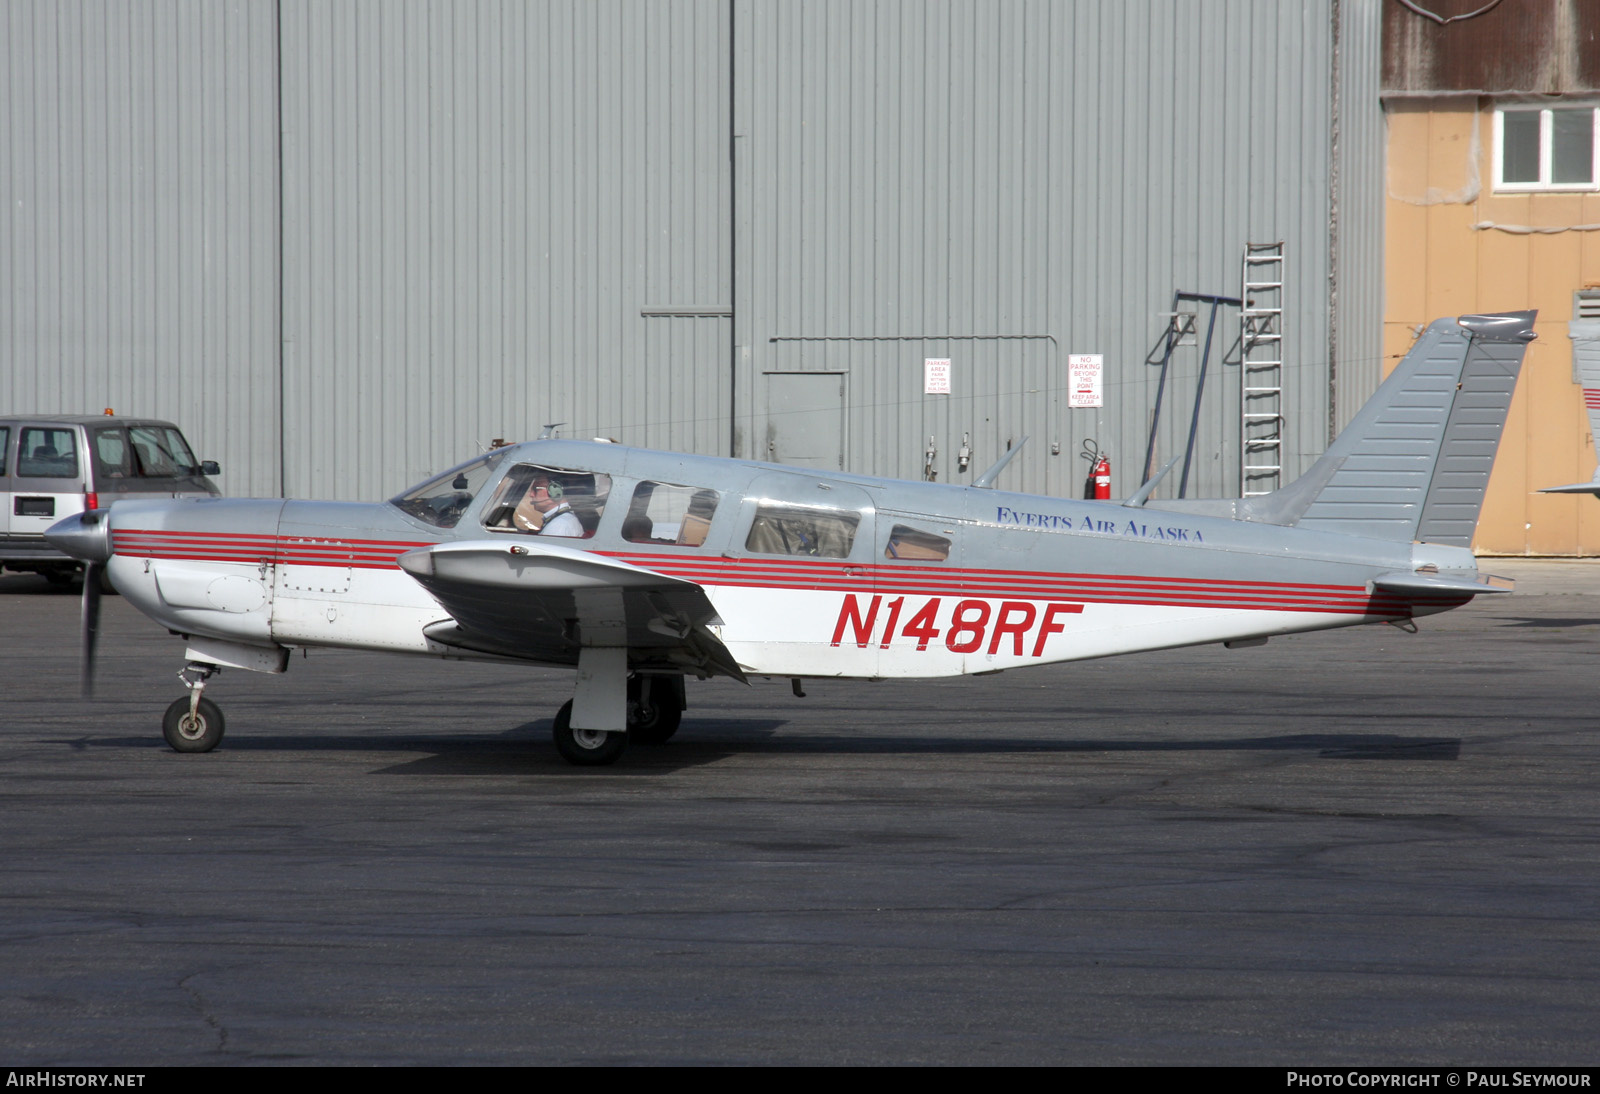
column 1545, row 148
column 548, row 501
column 802, row 530
column 48, row 454
column 913, row 544
column 662, row 512
column 442, row 499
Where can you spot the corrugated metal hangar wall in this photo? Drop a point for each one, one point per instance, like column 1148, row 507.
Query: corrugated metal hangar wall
column 347, row 244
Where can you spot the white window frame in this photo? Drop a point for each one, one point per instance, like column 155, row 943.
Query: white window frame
column 1546, row 150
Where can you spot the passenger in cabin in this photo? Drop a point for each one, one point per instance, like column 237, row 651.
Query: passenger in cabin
column 664, row 513
column 544, row 510
column 697, row 521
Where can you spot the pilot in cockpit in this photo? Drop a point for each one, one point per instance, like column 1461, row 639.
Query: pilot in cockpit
column 544, row 510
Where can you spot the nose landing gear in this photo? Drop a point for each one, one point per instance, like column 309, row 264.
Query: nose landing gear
column 193, row 723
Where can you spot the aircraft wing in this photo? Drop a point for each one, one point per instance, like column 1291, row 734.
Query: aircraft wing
column 1573, row 488
column 542, row 602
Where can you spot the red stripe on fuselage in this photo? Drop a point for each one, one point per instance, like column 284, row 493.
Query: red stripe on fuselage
column 1035, row 585
column 807, row 575
column 368, row 554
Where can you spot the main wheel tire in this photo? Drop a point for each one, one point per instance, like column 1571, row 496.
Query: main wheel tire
column 199, row 733
column 586, row 747
column 655, row 707
column 653, row 723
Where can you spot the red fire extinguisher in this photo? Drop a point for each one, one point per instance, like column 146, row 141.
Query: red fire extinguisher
column 1098, row 485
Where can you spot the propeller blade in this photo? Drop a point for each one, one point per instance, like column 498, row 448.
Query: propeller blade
column 89, row 629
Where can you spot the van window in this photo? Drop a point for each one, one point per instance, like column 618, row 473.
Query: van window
column 48, row 453
column 5, row 446
column 664, row 513
column 111, row 454
column 160, row 452
column 913, row 544
column 802, row 530
column 548, row 501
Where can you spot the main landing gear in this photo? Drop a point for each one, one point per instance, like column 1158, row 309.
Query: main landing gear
column 655, row 708
column 193, row 723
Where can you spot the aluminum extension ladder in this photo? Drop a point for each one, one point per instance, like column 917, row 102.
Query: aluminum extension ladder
column 1261, row 369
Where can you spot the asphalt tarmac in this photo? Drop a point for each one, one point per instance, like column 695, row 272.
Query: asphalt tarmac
column 1361, row 847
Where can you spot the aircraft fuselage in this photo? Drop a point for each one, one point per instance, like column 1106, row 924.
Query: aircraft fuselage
column 937, row 580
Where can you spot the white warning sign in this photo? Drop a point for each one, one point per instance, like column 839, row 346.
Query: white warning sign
column 936, row 376
column 1086, row 379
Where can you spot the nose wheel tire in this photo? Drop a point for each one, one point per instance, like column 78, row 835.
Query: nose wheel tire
column 199, row 732
column 586, row 747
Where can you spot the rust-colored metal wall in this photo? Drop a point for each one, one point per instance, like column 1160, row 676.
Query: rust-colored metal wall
column 1545, row 47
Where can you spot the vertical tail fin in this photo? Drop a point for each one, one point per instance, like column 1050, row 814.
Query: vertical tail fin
column 1415, row 461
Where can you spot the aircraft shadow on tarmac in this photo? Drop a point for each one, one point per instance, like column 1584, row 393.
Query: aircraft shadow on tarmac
column 527, row 748
column 1548, row 622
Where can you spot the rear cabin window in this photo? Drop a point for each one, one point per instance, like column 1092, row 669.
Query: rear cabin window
column 801, row 530
column 662, row 512
column 548, row 501
column 913, row 544
column 47, row 453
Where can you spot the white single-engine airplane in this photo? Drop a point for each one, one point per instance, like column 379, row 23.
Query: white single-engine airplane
column 639, row 567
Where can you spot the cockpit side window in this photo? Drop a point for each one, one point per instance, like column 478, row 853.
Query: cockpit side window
column 802, row 530
column 662, row 512
column 913, row 544
column 548, row 501
column 441, row 500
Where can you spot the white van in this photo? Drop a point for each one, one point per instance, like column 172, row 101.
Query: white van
column 52, row 466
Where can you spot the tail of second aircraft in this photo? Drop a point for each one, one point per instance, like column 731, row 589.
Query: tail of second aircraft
column 1585, row 334
column 1415, row 462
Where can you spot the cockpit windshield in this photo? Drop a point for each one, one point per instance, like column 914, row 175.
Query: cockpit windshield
column 441, row 500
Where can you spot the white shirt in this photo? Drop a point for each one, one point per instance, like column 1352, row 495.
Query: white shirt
column 562, row 521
